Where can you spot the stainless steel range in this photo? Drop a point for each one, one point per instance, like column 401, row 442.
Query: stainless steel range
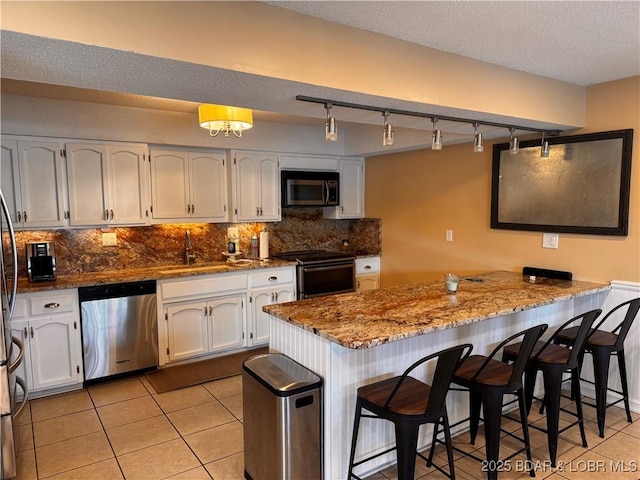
column 320, row 272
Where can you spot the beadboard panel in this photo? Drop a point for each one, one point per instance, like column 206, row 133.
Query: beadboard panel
column 344, row 370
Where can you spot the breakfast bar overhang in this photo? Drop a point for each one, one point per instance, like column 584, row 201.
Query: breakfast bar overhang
column 354, row 339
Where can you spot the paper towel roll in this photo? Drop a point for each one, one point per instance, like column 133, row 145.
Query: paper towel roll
column 264, row 245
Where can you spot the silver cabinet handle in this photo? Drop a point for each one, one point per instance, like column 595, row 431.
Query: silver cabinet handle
column 273, row 278
column 26, row 332
column 275, row 296
column 257, row 211
column 106, row 214
column 367, row 267
column 31, row 329
column 205, row 310
column 188, row 208
column 193, row 208
column 260, row 211
column 111, row 214
column 210, row 311
column 19, row 217
column 24, row 214
column 52, row 305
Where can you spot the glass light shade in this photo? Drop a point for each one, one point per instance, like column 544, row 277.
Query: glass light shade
column 478, row 143
column 514, row 146
column 221, row 118
column 331, row 130
column 387, row 137
column 436, row 140
column 544, row 149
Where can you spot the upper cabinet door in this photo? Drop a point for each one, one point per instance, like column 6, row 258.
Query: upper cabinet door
column 256, row 187
column 41, row 183
column 128, row 175
column 170, row 184
column 10, row 179
column 351, row 190
column 269, row 189
column 86, row 171
column 208, row 173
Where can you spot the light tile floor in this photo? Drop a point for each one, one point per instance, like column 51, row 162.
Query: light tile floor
column 124, row 429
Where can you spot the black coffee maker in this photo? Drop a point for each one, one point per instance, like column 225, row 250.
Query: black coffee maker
column 41, row 262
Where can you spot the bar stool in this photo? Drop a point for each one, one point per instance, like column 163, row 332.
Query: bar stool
column 602, row 344
column 487, row 381
column 409, row 403
column 554, row 360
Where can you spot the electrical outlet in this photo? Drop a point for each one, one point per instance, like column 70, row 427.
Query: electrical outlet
column 109, row 240
column 550, row 240
column 448, row 234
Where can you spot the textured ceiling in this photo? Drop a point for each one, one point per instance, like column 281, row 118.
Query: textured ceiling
column 580, row 42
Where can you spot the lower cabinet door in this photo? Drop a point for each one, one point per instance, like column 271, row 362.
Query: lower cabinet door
column 226, row 323
column 187, row 325
column 54, row 345
column 20, row 329
column 259, row 334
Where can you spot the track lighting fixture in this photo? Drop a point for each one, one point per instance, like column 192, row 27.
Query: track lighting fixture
column 478, row 141
column 544, row 147
column 514, row 145
column 436, row 136
column 331, row 127
column 387, row 131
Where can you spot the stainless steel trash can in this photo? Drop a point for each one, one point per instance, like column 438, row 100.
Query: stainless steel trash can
column 282, row 407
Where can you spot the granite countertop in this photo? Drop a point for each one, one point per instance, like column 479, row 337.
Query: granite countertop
column 139, row 274
column 367, row 319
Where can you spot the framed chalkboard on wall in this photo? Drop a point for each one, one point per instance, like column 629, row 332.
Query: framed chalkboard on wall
column 582, row 187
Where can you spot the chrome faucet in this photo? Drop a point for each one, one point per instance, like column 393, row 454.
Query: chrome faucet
column 189, row 255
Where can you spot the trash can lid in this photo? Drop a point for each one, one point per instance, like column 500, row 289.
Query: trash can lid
column 281, row 374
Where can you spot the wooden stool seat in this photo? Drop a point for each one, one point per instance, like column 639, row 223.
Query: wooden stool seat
column 596, row 337
column 543, row 352
column 496, row 373
column 410, row 399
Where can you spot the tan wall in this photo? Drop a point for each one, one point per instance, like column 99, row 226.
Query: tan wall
column 420, row 194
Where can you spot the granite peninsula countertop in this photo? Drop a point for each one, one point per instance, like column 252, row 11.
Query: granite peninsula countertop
column 107, row 277
column 374, row 317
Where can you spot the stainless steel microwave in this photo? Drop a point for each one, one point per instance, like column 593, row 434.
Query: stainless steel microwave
column 310, row 189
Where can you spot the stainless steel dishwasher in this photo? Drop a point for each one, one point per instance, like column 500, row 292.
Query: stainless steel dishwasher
column 119, row 328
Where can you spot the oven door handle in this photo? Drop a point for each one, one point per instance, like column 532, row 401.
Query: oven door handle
column 322, row 268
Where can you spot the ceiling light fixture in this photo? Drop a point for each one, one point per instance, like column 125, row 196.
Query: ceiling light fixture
column 221, row 118
column 331, row 127
column 478, row 141
column 436, row 136
column 387, row 131
column 514, row 145
column 544, row 147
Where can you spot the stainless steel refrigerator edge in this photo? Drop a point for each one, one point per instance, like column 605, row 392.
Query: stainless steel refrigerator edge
column 119, row 328
column 10, row 359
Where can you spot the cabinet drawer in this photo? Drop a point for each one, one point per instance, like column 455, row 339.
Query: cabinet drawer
column 207, row 286
column 367, row 265
column 51, row 305
column 272, row 276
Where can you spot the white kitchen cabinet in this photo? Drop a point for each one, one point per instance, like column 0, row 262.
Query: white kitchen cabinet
column 267, row 287
column 256, row 187
column 108, row 184
column 187, row 330
column 49, row 325
column 351, row 190
column 32, row 182
column 189, row 186
column 226, row 323
column 367, row 273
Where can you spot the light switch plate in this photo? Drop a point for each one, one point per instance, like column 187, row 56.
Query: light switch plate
column 448, row 235
column 550, row 240
column 109, row 240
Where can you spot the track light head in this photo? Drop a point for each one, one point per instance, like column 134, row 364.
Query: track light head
column 387, row 131
column 478, row 141
column 544, row 147
column 436, row 136
column 330, row 127
column 514, row 144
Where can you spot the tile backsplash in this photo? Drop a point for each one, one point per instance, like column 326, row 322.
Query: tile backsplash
column 81, row 250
